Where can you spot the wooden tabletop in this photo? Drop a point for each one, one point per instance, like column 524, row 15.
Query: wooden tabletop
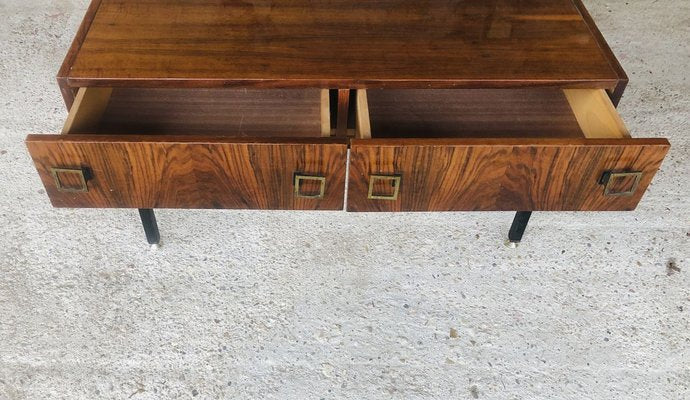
column 339, row 44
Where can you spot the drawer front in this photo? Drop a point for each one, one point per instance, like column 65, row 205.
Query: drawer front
column 501, row 174
column 190, row 172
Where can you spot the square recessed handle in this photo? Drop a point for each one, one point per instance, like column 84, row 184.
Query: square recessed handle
column 393, row 180
column 70, row 180
column 316, row 195
column 620, row 183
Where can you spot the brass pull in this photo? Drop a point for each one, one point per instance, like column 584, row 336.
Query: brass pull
column 394, row 182
column 620, row 183
column 316, row 195
column 70, row 180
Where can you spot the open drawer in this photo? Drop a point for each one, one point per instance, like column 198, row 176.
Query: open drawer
column 542, row 149
column 194, row 148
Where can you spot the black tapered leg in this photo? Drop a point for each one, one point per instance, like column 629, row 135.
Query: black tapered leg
column 148, row 218
column 519, row 225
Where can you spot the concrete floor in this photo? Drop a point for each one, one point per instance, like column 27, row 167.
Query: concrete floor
column 297, row 305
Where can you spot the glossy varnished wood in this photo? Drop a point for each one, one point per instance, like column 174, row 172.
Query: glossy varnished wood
column 343, row 108
column 500, row 133
column 500, row 174
column 69, row 92
column 229, row 112
column 617, row 92
column 191, row 171
column 340, row 43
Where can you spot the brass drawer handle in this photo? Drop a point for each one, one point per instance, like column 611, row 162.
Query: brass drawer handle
column 298, row 186
column 60, row 175
column 620, row 183
column 394, row 182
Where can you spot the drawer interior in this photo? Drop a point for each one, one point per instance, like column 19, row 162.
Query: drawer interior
column 487, row 113
column 227, row 112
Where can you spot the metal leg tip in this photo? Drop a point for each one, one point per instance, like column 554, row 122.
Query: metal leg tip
column 148, row 219
column 512, row 244
column 155, row 246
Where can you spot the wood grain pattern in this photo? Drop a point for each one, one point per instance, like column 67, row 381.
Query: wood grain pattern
column 617, row 92
column 362, row 121
column 343, row 108
column 596, row 114
column 501, row 174
column 340, row 44
column 471, row 113
column 68, row 92
column 228, row 112
column 325, row 113
column 191, row 172
column 87, row 110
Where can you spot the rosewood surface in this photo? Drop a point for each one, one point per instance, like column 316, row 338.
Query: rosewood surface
column 339, row 44
column 500, row 174
column 506, row 137
column 131, row 171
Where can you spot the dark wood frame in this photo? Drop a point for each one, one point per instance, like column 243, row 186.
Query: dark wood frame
column 69, row 86
column 69, row 91
column 617, row 92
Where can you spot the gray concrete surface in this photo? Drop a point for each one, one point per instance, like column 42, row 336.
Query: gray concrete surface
column 288, row 305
